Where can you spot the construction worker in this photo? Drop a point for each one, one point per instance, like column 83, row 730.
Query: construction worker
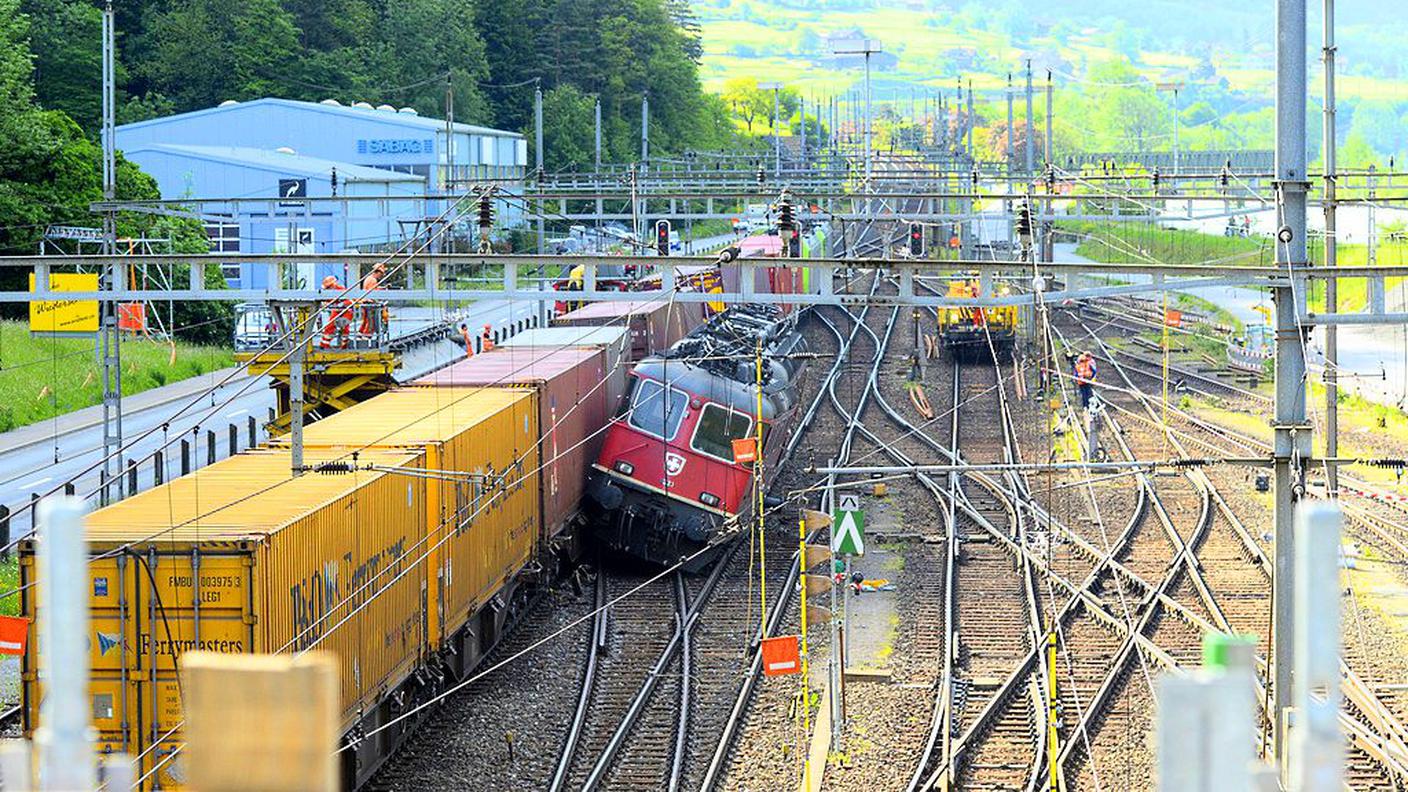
column 486, row 341
column 468, row 339
column 1085, row 371
column 339, row 323
column 371, row 314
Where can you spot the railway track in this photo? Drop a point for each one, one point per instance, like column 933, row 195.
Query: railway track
column 1231, row 574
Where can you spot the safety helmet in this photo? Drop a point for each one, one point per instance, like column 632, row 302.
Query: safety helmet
column 329, row 282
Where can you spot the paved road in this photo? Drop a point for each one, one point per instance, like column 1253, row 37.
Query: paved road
column 41, row 457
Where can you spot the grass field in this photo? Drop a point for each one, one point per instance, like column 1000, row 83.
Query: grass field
column 1121, row 242
column 44, row 377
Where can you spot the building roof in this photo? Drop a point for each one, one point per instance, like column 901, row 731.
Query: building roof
column 279, row 162
column 408, row 120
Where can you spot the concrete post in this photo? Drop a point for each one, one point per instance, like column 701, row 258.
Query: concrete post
column 1316, row 752
column 1291, row 449
column 65, row 737
column 1332, row 341
column 598, row 134
column 1206, row 727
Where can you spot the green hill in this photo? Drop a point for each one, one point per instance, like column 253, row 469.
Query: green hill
column 1221, row 52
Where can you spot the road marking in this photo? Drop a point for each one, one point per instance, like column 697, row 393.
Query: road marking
column 35, row 483
column 238, row 412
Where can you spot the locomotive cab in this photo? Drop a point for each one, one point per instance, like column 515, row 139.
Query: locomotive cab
column 667, row 485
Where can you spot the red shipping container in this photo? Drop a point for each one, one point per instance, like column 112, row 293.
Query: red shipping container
column 573, row 386
column 655, row 323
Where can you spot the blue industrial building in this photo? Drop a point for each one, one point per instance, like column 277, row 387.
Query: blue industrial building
column 277, row 175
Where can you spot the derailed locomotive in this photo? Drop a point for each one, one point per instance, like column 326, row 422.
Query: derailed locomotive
column 667, row 485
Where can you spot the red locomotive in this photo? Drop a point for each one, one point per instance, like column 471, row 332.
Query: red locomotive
column 667, row 483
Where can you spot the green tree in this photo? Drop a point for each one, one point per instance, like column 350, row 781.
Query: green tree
column 568, row 129
column 1126, row 112
column 748, row 102
column 202, row 52
column 68, row 58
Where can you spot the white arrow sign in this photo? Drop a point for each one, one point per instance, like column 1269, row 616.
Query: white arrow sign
column 848, row 537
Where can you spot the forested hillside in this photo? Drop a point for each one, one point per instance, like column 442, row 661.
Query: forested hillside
column 179, row 55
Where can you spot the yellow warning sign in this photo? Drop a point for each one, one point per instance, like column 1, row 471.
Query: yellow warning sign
column 65, row 316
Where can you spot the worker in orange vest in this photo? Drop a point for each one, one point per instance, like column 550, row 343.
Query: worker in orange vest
column 339, row 323
column 371, row 283
column 486, row 342
column 468, row 340
column 1085, row 377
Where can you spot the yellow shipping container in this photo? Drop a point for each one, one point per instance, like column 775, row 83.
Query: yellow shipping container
column 241, row 556
column 490, row 517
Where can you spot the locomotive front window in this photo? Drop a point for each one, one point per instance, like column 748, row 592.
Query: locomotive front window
column 655, row 413
column 716, row 430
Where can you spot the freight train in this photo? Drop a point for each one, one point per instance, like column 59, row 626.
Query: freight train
column 676, row 470
column 421, row 524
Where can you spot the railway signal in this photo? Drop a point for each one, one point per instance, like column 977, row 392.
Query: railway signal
column 916, row 239
column 662, row 237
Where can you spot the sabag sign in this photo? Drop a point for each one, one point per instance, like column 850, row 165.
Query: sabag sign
column 396, row 146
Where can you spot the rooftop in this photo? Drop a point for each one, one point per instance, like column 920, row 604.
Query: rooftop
column 280, row 161
column 332, row 107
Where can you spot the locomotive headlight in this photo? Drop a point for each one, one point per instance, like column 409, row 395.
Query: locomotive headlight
column 709, row 499
column 624, row 468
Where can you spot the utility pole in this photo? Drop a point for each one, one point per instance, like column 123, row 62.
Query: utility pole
column 1010, row 131
column 1175, row 130
column 1373, row 226
column 865, row 47
column 972, row 154
column 449, row 181
column 644, row 129
column 598, row 134
column 1291, row 450
column 111, row 336
column 1050, row 111
column 1332, row 340
column 1031, row 153
column 540, row 158
column 1173, row 88
column 802, row 116
column 775, row 87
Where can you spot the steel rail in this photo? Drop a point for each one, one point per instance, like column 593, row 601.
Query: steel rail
column 596, row 646
column 1389, row 746
column 713, row 773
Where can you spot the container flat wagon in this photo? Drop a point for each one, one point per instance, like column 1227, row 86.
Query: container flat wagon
column 407, row 566
column 242, row 557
